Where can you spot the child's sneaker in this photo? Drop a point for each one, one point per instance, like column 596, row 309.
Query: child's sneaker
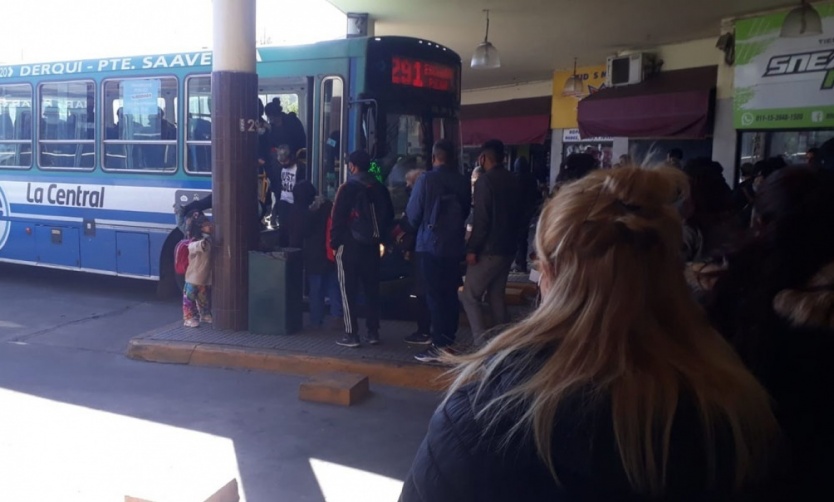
column 206, row 318
column 191, row 323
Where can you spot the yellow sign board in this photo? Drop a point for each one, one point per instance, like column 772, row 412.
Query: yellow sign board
column 568, row 92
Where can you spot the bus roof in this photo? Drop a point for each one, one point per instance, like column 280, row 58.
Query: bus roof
column 195, row 59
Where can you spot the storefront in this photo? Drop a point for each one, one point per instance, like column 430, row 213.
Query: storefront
column 523, row 125
column 784, row 84
column 672, row 109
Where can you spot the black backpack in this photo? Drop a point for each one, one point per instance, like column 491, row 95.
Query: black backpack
column 364, row 221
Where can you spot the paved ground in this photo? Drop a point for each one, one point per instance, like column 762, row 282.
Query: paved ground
column 73, row 408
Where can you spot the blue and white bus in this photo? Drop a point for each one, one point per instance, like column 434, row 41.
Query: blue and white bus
column 95, row 153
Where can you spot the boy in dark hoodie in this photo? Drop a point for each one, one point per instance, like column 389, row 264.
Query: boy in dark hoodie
column 319, row 260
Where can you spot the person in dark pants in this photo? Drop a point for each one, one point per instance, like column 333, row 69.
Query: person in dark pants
column 438, row 208
column 362, row 218
column 529, row 200
column 492, row 245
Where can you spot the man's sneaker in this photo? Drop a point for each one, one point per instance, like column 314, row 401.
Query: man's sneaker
column 207, row 319
column 430, row 355
column 348, row 340
column 372, row 337
column 191, row 323
column 418, row 338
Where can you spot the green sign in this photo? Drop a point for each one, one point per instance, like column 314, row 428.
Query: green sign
column 784, row 75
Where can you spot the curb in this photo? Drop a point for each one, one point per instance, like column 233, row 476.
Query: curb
column 412, row 376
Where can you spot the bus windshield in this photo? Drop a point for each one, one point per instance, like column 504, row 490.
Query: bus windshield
column 408, row 141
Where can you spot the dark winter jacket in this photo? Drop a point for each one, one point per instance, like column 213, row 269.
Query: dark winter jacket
column 340, row 233
column 315, row 229
column 445, row 238
column 460, row 461
column 496, row 214
column 790, row 349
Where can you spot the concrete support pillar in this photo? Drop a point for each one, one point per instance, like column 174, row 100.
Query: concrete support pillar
column 234, row 92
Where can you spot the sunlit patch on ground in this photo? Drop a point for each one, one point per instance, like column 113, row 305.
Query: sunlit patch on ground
column 51, row 450
column 340, row 483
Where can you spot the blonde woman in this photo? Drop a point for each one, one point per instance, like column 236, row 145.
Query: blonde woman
column 615, row 387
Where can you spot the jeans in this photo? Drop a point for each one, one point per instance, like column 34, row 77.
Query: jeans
column 326, row 284
column 442, row 279
column 488, row 276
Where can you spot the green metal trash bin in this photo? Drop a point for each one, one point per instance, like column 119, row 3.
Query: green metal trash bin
column 275, row 292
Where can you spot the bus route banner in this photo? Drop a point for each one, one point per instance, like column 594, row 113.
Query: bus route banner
column 784, row 77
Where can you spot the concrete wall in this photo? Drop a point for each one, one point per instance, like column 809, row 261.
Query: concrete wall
column 685, row 55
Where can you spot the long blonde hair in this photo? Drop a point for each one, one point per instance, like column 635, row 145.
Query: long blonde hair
column 617, row 320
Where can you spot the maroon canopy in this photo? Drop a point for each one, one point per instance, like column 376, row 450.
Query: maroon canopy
column 672, row 104
column 515, row 122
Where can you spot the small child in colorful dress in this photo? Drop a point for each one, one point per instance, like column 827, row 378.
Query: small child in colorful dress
column 196, row 295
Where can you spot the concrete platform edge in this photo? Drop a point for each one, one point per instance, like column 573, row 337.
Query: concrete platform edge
column 416, row 376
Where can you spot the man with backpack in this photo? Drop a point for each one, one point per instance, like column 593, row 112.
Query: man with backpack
column 361, row 221
column 438, row 208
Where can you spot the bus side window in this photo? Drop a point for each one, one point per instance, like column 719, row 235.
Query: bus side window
column 63, row 107
column 198, row 121
column 15, row 126
column 139, row 135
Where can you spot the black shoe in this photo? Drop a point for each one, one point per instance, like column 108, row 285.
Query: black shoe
column 431, row 354
column 372, row 338
column 418, row 338
column 348, row 340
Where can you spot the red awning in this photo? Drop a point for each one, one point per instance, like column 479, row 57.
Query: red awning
column 673, row 104
column 511, row 130
column 515, row 122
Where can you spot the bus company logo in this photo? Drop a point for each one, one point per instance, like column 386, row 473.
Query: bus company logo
column 5, row 222
column 6, row 71
column 806, row 62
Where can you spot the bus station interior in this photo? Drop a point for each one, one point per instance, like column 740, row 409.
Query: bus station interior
column 91, row 180
column 550, row 97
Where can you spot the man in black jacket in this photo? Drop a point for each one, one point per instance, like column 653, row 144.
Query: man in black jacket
column 492, row 244
column 362, row 218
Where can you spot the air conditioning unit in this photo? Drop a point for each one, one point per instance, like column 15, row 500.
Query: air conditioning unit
column 626, row 70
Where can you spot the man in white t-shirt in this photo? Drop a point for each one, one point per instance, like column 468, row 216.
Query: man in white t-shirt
column 289, row 175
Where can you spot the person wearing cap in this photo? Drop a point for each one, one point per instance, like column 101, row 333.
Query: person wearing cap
column 362, row 219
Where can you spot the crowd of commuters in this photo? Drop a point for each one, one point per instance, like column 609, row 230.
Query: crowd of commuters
column 680, row 350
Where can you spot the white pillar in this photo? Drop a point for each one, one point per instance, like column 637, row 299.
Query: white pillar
column 234, row 35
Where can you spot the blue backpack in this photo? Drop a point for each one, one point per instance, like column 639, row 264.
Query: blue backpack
column 445, row 219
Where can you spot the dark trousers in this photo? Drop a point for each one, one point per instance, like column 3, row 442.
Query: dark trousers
column 442, row 279
column 357, row 265
column 522, row 249
column 422, row 314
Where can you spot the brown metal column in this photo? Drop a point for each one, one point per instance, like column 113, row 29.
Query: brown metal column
column 234, row 94
column 234, row 190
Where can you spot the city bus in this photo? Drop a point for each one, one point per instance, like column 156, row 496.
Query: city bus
column 94, row 154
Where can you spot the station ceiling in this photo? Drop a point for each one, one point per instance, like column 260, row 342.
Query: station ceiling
column 534, row 37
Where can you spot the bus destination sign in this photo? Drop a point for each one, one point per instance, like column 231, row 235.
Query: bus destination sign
column 423, row 74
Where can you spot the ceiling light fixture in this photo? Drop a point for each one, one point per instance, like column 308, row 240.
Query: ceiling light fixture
column 486, row 55
column 803, row 21
column 574, row 85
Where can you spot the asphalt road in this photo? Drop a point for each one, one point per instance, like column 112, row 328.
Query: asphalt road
column 79, row 421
